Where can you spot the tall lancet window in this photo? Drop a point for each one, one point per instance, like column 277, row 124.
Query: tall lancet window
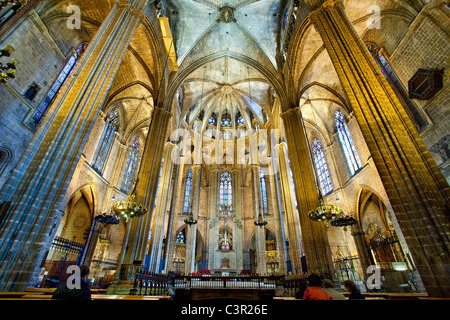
column 105, row 141
column 225, row 190
column 187, row 192
column 291, row 179
column 390, row 75
column 130, row 170
column 322, row 171
column 263, row 188
column 57, row 85
column 347, row 143
column 159, row 180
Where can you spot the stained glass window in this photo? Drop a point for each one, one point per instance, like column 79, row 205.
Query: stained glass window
column 180, row 237
column 225, row 190
column 240, row 121
column 211, row 121
column 131, row 167
column 187, row 192
column 390, row 75
column 291, row 179
column 226, row 122
column 347, row 143
column 263, row 188
column 105, row 141
column 322, row 171
column 59, row 82
column 159, row 179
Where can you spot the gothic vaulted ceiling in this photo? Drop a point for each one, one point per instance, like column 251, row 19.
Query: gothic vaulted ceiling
column 227, row 54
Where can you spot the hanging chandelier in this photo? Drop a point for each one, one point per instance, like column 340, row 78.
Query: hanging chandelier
column 260, row 222
column 190, row 219
column 343, row 220
column 129, row 209
column 9, row 70
column 107, row 218
column 324, row 212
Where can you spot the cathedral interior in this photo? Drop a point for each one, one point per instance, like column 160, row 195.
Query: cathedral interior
column 225, row 138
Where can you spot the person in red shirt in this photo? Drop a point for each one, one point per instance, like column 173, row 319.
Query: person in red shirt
column 314, row 291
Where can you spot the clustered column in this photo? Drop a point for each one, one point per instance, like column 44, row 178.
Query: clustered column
column 34, row 193
column 314, row 234
column 416, row 188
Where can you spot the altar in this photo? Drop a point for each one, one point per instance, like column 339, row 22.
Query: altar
column 225, row 272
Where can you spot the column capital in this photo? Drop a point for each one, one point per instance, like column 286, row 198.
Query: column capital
column 317, row 5
column 290, row 111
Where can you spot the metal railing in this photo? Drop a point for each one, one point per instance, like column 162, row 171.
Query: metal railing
column 161, row 284
column 237, row 282
column 152, row 284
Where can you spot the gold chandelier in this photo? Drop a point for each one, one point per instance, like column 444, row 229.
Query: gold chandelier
column 324, row 212
column 129, row 209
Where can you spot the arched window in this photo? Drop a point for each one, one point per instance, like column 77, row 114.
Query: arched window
column 212, row 121
column 180, row 238
column 59, row 82
column 225, row 190
column 187, row 192
column 131, row 167
column 390, row 75
column 105, row 141
column 240, row 121
column 347, row 143
column 226, row 121
column 321, row 167
column 263, row 188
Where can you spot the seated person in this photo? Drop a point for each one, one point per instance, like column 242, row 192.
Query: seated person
column 83, row 292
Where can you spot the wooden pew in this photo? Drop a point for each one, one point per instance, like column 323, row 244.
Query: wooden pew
column 11, row 295
column 127, row 297
column 47, row 291
column 50, row 291
column 37, row 296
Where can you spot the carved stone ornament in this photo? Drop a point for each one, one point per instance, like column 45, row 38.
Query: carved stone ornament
column 226, row 14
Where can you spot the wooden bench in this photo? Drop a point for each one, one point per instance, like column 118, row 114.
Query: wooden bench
column 37, row 296
column 47, row 291
column 11, row 295
column 128, row 297
column 50, row 291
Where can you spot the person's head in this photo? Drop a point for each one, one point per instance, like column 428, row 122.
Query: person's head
column 327, row 283
column 84, row 272
column 350, row 286
column 314, row 280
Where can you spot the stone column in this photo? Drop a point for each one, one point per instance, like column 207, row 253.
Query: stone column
column 238, row 222
column 314, row 235
column 191, row 234
column 260, row 231
column 278, row 219
column 172, row 228
column 361, row 247
column 34, row 193
column 293, row 222
column 416, row 188
column 147, row 184
column 214, row 219
column 159, row 215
